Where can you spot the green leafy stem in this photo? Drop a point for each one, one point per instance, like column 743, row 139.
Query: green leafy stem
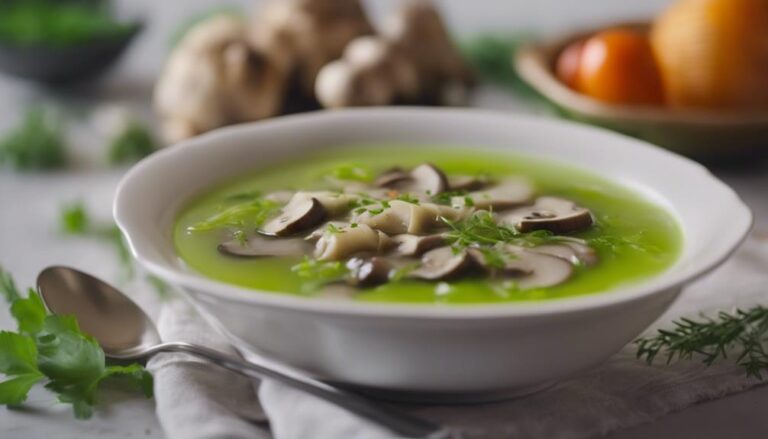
column 53, row 350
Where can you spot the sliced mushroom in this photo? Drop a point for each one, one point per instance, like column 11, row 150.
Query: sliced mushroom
column 392, row 177
column 404, row 217
column 529, row 269
column 335, row 203
column 337, row 245
column 414, row 245
column 367, row 272
column 466, row 183
column 575, row 252
column 442, row 263
column 429, row 179
column 555, row 214
column 260, row 246
column 282, row 197
column 298, row 215
column 425, row 179
column 508, row 193
column 318, row 232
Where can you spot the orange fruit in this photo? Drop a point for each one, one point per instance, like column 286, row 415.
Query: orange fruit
column 568, row 62
column 618, row 66
column 714, row 53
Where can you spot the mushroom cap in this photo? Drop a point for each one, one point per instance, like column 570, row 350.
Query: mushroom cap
column 510, row 192
column 341, row 84
column 392, row 177
column 261, row 246
column 337, row 245
column 557, row 215
column 404, row 217
column 528, row 268
column 425, row 179
column 466, row 183
column 574, row 250
column 320, row 231
column 298, row 215
column 443, row 263
column 429, row 179
column 366, row 272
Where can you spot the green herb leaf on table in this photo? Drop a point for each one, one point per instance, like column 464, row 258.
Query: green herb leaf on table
column 742, row 335
column 53, row 349
column 36, row 144
column 492, row 57
column 132, row 144
column 74, row 219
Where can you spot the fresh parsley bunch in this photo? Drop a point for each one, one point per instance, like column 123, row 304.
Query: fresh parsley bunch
column 53, row 350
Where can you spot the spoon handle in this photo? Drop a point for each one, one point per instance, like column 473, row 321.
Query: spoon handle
column 400, row 423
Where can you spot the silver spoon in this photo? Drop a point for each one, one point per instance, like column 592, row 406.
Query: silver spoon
column 125, row 332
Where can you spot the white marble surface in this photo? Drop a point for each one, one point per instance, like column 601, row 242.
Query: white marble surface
column 29, row 204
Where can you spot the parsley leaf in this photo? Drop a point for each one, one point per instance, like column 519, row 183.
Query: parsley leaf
column 36, row 144
column 29, row 313
column 53, row 349
column 18, row 360
column 132, row 144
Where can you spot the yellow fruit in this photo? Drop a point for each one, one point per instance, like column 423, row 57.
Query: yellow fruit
column 714, row 53
column 618, row 66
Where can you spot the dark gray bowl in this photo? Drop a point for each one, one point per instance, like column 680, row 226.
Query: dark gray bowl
column 63, row 65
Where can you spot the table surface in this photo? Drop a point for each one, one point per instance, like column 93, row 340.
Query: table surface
column 29, row 239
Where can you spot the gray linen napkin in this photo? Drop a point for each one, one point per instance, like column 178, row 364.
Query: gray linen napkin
column 199, row 401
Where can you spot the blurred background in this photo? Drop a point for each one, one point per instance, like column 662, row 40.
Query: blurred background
column 93, row 108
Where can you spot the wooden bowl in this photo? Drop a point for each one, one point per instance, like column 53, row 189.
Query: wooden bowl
column 709, row 135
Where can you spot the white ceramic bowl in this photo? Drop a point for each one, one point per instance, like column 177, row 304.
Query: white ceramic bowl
column 443, row 350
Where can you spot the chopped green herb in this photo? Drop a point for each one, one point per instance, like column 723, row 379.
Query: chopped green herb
column 333, row 229
column 36, row 144
column 481, row 230
column 243, row 196
column 250, row 214
column 447, row 197
column 408, row 198
column 402, row 272
column 52, row 349
column 320, row 270
column 74, row 219
column 352, row 172
column 132, row 144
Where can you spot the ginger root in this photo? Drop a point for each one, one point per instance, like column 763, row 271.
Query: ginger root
column 413, row 61
column 305, row 35
column 214, row 78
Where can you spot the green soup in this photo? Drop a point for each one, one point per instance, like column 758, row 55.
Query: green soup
column 634, row 238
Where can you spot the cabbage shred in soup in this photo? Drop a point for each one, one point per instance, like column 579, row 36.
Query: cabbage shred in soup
column 425, row 225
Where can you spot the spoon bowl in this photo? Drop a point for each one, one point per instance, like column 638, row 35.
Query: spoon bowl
column 120, row 326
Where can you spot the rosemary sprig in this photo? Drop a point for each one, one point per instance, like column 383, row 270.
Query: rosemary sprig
column 743, row 333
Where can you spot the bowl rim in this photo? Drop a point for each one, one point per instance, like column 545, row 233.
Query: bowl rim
column 353, row 309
